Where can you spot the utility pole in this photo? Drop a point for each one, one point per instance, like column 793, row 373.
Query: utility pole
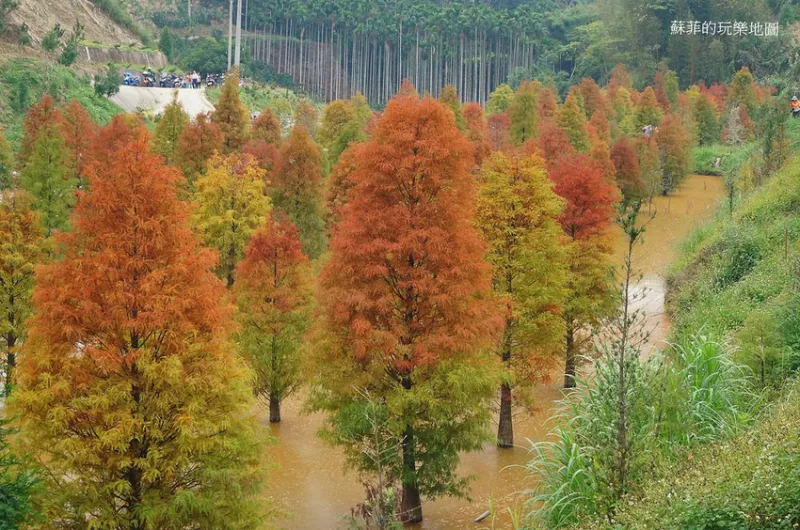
column 238, row 59
column 230, row 32
column 190, row 10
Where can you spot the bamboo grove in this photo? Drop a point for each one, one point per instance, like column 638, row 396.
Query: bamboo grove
column 427, row 265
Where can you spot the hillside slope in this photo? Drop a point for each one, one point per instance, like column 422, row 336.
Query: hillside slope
column 42, row 15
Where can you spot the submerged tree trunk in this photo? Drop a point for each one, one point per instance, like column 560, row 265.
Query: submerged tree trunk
column 571, row 361
column 505, row 427
column 274, row 408
column 410, row 503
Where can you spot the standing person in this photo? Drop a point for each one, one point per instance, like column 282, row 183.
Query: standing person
column 795, row 107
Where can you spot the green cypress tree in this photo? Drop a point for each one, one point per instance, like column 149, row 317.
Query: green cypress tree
column 524, row 114
column 571, row 119
column 45, row 178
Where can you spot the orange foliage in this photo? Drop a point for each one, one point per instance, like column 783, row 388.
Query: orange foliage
column 265, row 154
column 266, row 127
column 553, row 142
column 197, row 143
column 406, row 237
column 593, row 98
column 547, row 104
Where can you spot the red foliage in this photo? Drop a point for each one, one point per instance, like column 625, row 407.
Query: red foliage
column 499, row 127
column 79, row 132
column 39, row 116
column 407, row 240
column 265, row 154
column 198, row 142
column 718, row 94
column 476, row 131
column 590, row 199
column 661, row 94
column 626, row 163
column 553, row 142
column 600, row 123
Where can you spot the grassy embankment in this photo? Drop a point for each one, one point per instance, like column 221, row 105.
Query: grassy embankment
column 738, row 280
column 23, row 81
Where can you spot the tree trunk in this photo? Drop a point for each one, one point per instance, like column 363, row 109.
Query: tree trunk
column 505, row 428
column 410, row 503
column 11, row 361
column 570, row 365
column 274, row 408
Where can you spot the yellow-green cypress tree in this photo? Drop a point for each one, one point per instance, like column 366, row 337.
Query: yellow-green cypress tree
column 169, row 129
column 518, row 213
column 231, row 205
column 231, row 115
column 570, row 118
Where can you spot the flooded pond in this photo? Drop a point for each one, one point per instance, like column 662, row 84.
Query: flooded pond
column 309, row 479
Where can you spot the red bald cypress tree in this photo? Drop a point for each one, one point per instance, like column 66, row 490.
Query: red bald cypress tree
column 79, row 132
column 406, row 302
column 476, row 132
column 586, row 220
column 626, row 163
column 499, row 128
column 41, row 115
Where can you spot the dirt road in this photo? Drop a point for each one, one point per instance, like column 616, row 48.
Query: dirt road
column 153, row 100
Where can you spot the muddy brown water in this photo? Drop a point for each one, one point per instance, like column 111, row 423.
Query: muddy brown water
column 310, row 480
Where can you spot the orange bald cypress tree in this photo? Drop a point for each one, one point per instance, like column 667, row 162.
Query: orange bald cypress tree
column 406, row 303
column 266, row 127
column 198, row 142
column 297, row 188
column 127, row 382
column 79, row 132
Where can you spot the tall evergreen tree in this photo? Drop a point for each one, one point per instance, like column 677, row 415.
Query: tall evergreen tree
column 127, row 383
column 518, row 212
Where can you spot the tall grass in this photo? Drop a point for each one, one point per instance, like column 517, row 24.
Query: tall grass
column 692, row 394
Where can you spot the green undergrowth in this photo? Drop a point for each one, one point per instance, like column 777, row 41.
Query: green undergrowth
column 737, row 278
column 731, row 158
column 23, row 81
column 749, row 481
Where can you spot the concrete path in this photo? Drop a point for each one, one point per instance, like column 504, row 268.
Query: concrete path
column 153, row 100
